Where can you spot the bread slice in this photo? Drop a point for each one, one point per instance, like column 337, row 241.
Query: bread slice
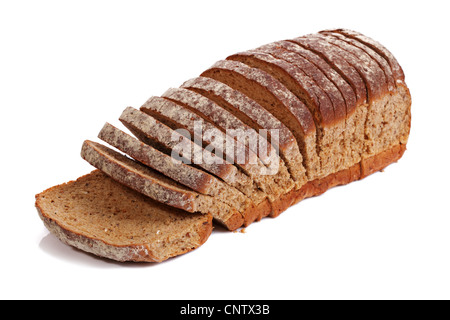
column 101, row 216
column 255, row 116
column 275, row 98
column 156, row 186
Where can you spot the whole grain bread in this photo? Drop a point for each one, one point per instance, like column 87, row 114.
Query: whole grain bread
column 338, row 99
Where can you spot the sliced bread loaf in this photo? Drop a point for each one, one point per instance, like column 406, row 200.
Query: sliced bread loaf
column 101, row 216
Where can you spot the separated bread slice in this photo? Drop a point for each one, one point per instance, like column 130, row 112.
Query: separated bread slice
column 255, row 116
column 234, row 127
column 275, row 98
column 210, row 137
column 327, row 117
column 101, row 216
column 175, row 169
column 156, row 186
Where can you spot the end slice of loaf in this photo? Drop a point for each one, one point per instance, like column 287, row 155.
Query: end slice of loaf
column 101, row 216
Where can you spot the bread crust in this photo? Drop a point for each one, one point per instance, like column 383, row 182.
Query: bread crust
column 358, row 171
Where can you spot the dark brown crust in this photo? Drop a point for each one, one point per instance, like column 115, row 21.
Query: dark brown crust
column 317, row 187
column 359, row 171
column 381, row 160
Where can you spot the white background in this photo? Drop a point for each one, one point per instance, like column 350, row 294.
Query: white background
column 67, row 67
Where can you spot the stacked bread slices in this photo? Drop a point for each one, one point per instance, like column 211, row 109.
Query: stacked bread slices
column 248, row 138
